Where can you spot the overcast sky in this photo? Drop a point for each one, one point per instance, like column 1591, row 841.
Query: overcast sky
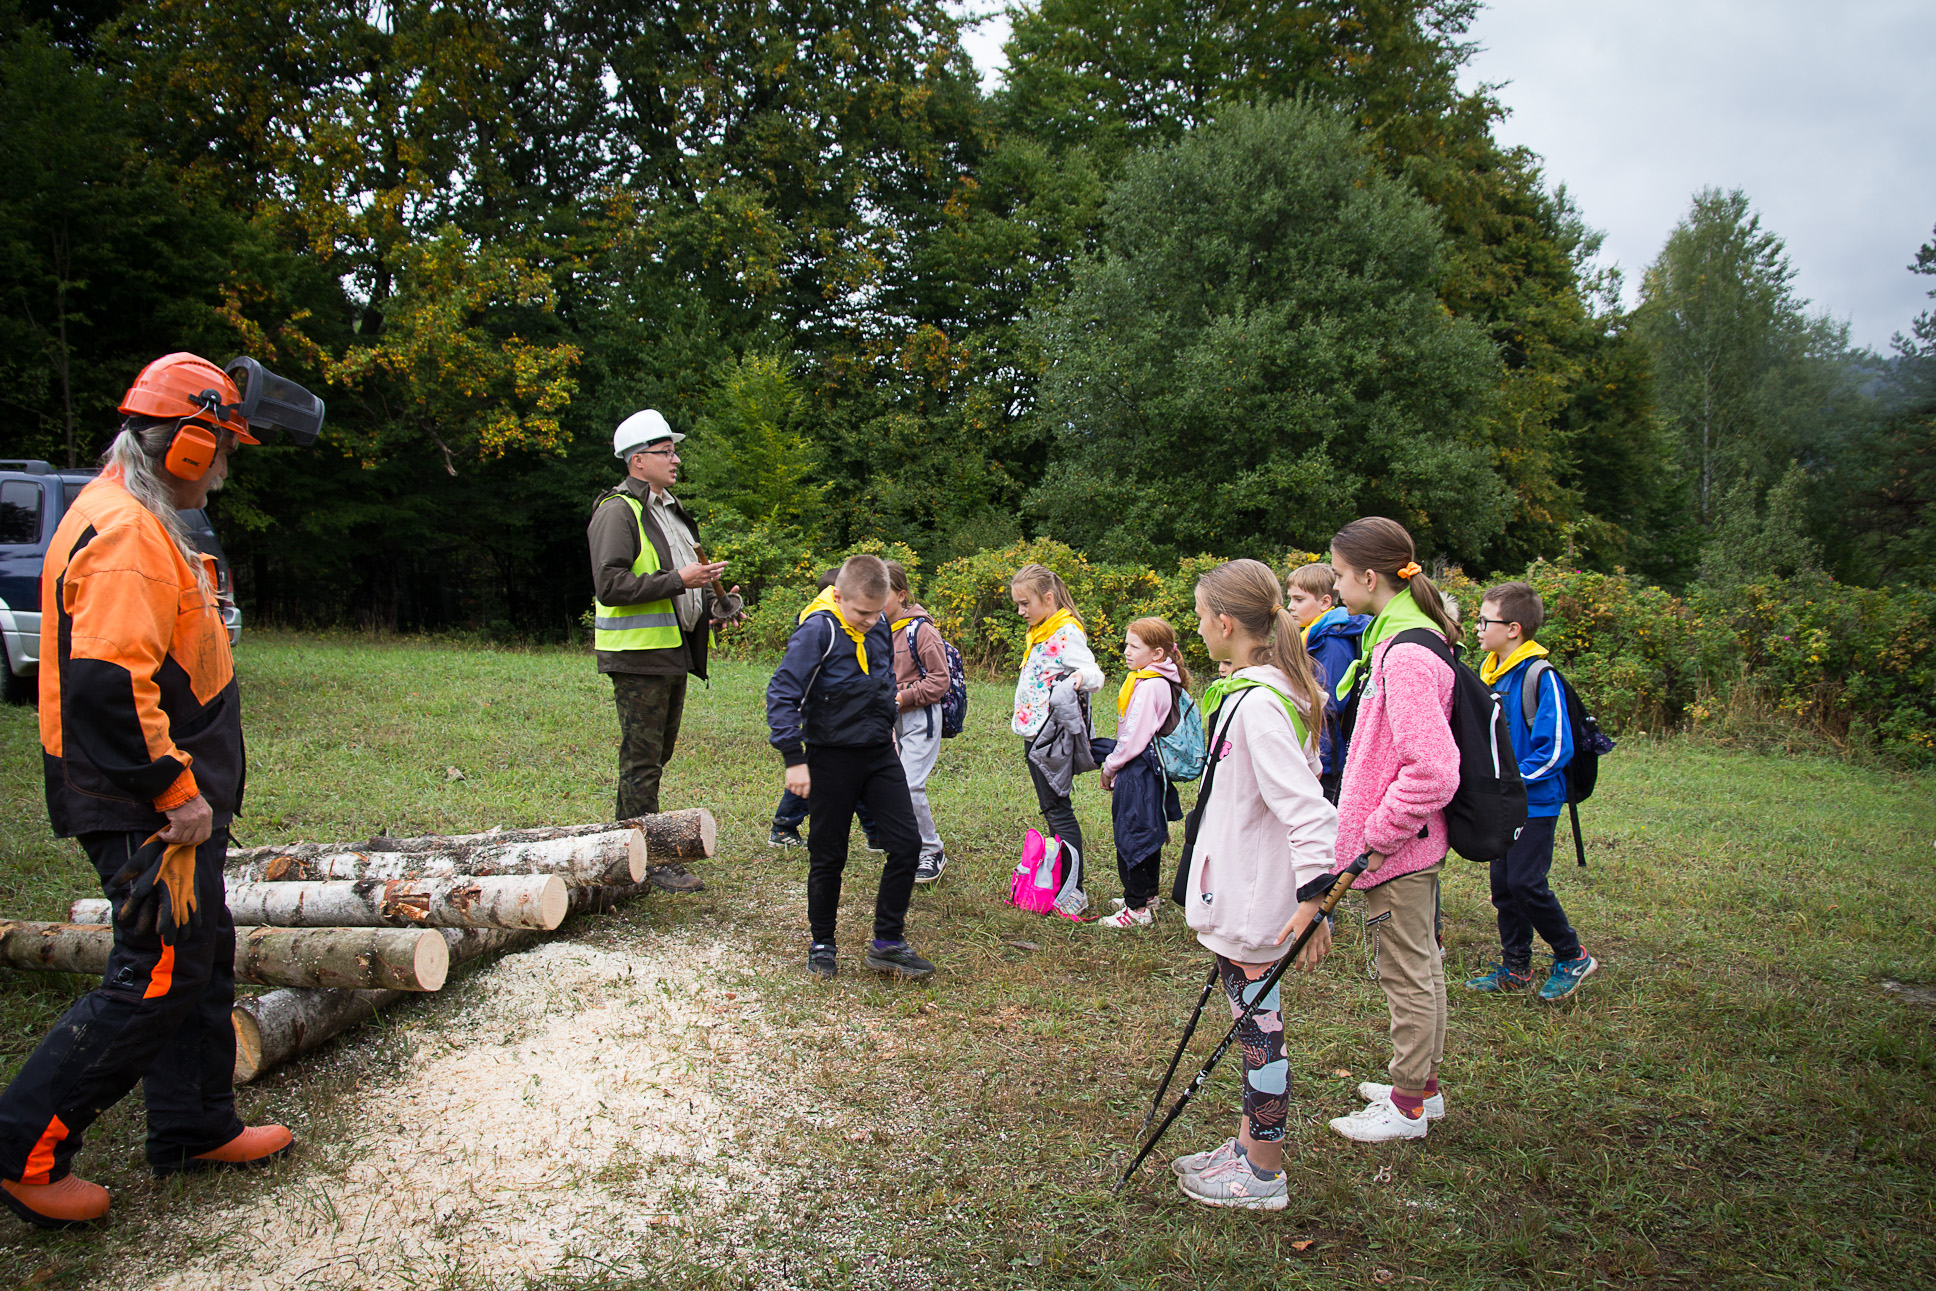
column 1823, row 112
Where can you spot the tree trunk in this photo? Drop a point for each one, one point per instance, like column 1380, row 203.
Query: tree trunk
column 538, row 901
column 690, row 834
column 271, row 1029
column 609, row 855
column 399, row 959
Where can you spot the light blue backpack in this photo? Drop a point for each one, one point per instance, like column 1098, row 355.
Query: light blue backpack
column 1181, row 750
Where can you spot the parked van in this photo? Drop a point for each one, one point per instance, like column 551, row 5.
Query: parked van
column 33, row 497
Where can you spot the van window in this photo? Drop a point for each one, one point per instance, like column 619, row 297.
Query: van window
column 71, row 489
column 19, row 512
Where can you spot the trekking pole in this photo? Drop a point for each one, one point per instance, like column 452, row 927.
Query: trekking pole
column 1346, row 878
column 1209, row 985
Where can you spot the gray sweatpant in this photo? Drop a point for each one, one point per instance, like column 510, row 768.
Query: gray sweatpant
column 919, row 731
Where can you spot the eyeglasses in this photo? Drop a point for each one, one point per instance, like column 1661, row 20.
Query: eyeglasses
column 658, row 452
column 1482, row 623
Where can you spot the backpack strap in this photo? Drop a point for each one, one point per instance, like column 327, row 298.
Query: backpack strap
column 1168, row 727
column 1529, row 691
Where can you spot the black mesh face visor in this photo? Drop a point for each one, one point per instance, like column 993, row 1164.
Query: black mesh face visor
column 273, row 402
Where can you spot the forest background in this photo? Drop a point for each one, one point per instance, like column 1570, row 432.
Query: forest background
column 1197, row 280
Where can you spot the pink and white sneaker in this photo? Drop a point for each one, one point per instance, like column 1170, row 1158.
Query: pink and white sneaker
column 1128, row 918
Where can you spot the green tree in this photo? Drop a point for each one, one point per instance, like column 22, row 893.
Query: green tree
column 1256, row 355
column 749, row 452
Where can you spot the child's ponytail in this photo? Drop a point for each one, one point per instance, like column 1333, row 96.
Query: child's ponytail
column 1249, row 592
column 1383, row 546
column 1044, row 581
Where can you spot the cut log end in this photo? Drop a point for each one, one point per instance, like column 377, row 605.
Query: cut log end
column 431, row 965
column 635, row 854
column 248, row 1046
column 554, row 903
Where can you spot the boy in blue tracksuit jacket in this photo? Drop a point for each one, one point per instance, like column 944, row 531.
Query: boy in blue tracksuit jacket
column 1332, row 637
column 831, row 711
column 1542, row 740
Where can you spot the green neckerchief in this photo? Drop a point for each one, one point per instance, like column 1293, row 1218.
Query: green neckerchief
column 1213, row 698
column 1401, row 614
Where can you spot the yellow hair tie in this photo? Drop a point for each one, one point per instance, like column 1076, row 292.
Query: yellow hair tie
column 1410, row 570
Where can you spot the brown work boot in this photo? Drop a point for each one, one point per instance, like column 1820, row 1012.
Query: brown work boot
column 61, row 1204
column 675, row 878
column 254, row 1146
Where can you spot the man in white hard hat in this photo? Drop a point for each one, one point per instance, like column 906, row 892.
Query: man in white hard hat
column 656, row 603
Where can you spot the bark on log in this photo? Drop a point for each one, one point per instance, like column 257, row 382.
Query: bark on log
column 89, row 910
column 401, row 959
column 690, row 834
column 463, row 901
column 607, row 856
column 464, row 942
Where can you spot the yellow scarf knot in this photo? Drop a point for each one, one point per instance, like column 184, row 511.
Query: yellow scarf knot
column 1050, row 626
column 825, row 601
column 1492, row 670
column 1129, row 687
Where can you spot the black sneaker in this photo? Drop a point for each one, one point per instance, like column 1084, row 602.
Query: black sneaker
column 930, row 868
column 785, row 836
column 873, row 846
column 899, row 960
column 821, row 960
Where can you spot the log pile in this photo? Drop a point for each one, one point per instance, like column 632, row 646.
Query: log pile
column 342, row 930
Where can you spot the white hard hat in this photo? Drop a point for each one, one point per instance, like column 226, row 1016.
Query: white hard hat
column 640, row 430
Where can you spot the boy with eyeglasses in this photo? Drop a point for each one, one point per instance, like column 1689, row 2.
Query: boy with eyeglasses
column 1542, row 739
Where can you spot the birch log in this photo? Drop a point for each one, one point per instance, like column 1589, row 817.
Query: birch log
column 608, row 856
column 538, row 901
column 533, row 902
column 401, row 959
column 690, row 834
column 271, row 1029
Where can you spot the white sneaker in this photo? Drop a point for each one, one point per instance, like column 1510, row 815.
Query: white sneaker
column 1374, row 1093
column 1198, row 1162
column 1379, row 1123
column 1127, row 918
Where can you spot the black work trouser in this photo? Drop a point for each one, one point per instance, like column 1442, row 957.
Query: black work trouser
column 649, row 712
column 842, row 779
column 1525, row 901
column 1060, row 813
column 160, row 1016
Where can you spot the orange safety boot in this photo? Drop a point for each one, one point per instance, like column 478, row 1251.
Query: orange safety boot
column 254, row 1146
column 61, row 1204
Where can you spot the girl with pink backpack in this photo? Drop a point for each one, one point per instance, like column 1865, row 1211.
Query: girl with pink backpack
column 1051, row 715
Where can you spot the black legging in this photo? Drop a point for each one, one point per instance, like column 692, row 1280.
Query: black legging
column 1059, row 812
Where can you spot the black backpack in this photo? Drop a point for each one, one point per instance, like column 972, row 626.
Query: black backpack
column 1589, row 741
column 1489, row 809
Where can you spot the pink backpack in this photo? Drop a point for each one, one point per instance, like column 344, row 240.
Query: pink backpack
column 1039, row 876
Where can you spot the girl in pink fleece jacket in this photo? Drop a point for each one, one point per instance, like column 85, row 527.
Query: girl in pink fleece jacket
column 1401, row 771
column 1263, row 831
column 1144, row 800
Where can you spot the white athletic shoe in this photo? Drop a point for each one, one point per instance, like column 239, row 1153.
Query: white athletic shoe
column 1198, row 1162
column 1375, row 1093
column 1379, row 1123
column 1127, row 918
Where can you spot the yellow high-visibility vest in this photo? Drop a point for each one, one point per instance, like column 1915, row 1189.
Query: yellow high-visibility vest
column 651, row 626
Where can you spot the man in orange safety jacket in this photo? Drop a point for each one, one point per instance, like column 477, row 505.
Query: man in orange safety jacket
column 141, row 734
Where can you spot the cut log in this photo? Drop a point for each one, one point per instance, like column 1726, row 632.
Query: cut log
column 690, row 834
column 90, row 910
column 604, row 897
column 399, row 959
column 464, row 901
column 606, row 857
column 271, row 1029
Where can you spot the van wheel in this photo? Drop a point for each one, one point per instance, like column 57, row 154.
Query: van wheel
column 15, row 690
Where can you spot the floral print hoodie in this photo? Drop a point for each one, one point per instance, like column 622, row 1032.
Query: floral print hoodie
column 1065, row 654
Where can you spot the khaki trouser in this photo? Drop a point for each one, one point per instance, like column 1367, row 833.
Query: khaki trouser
column 1402, row 915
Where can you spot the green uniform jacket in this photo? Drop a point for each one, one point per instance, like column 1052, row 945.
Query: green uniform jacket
column 613, row 535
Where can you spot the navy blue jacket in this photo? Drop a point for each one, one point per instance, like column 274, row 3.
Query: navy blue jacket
column 1333, row 644
column 820, row 696
column 1542, row 740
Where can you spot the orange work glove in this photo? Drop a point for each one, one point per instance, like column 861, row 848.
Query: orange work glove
column 159, row 870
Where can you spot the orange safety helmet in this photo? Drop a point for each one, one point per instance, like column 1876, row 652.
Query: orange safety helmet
column 187, row 385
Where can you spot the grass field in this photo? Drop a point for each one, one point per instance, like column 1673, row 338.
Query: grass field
column 1735, row 1100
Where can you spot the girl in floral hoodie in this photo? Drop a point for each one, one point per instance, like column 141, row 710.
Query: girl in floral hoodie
column 1058, row 656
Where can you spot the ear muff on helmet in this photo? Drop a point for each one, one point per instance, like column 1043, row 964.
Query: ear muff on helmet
column 191, row 452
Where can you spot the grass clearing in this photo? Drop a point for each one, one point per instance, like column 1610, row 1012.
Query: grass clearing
column 1735, row 1100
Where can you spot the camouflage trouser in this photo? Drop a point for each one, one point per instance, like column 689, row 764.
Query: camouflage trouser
column 649, row 709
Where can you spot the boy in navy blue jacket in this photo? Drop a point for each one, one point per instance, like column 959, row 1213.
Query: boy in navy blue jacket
column 1542, row 739
column 831, row 710
column 1332, row 636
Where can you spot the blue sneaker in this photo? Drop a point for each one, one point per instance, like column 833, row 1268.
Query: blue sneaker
column 1500, row 980
column 1566, row 976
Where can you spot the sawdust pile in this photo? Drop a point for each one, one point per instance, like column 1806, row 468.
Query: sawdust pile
column 577, row 1104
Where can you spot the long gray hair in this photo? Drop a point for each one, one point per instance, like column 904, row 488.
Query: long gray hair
column 137, row 453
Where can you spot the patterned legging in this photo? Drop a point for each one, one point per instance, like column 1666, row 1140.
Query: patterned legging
column 1267, row 1074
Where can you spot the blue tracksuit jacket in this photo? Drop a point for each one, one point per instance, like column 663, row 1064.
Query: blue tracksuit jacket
column 1333, row 644
column 1543, row 744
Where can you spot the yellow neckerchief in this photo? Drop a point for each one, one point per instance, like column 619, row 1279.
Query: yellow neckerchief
column 901, row 623
column 1129, row 686
column 1047, row 627
column 1492, row 670
column 1332, row 615
column 825, row 601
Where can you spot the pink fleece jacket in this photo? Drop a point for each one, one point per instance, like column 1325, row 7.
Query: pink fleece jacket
column 1267, row 829
column 1402, row 767
column 1149, row 708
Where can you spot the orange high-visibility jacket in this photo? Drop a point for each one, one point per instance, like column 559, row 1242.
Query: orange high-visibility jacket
column 139, row 710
